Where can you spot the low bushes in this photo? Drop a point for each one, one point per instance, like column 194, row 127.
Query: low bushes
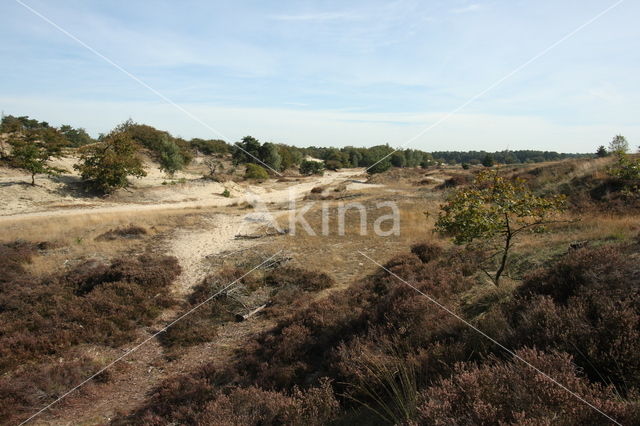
column 255, row 171
column 388, row 349
column 127, row 232
column 94, row 303
column 285, row 287
column 500, row 392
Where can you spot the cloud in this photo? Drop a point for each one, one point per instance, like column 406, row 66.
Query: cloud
column 467, row 9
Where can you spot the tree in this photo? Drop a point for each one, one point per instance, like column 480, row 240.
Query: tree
column 270, row 156
column 618, row 145
column 75, row 137
column 291, row 156
column 487, row 160
column 255, row 171
column 32, row 150
column 171, row 159
column 627, row 171
column 332, row 165
column 601, row 152
column 494, row 211
column 106, row 165
column 246, row 151
column 398, row 159
column 378, row 158
column 210, row 147
column 310, row 167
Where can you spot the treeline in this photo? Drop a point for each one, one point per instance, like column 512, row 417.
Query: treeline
column 503, row 157
column 33, row 143
column 65, row 135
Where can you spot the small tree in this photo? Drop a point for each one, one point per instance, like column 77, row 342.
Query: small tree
column 627, row 170
column 106, row 166
column 618, row 145
column 75, row 137
column 601, row 152
column 170, row 157
column 255, row 172
column 270, row 156
column 487, row 160
column 494, row 211
column 310, row 167
column 33, row 150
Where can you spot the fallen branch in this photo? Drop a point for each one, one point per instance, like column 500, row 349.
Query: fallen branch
column 240, row 317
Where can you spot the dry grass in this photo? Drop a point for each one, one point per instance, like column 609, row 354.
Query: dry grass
column 338, row 255
column 75, row 235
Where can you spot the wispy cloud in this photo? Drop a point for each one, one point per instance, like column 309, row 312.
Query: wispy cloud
column 320, row 16
column 467, row 9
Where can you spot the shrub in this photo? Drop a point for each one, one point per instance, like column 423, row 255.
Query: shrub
column 296, row 277
column 427, row 251
column 23, row 392
column 106, row 166
column 512, row 393
column 210, row 147
column 128, row 232
column 255, row 171
column 226, row 193
column 41, row 321
column 627, row 171
column 586, row 305
column 251, row 405
column 310, row 167
column 387, row 347
column 170, row 157
column 455, row 181
column 333, row 165
column 94, row 303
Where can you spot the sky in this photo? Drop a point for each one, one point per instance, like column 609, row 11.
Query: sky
column 332, row 73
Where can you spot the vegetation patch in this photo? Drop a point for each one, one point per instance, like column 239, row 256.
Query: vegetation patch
column 127, row 232
column 41, row 320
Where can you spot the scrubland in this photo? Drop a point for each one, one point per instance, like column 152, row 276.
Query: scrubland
column 332, row 338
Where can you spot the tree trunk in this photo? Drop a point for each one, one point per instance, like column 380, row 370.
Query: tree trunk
column 33, row 179
column 505, row 252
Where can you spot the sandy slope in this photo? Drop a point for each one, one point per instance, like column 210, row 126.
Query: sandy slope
column 199, row 194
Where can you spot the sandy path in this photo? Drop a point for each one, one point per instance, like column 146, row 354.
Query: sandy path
column 192, row 247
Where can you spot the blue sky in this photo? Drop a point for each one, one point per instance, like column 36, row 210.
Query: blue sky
column 332, row 72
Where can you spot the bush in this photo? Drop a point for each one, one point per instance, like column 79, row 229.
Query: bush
column 255, row 171
column 296, row 277
column 586, row 305
column 512, row 393
column 128, row 232
column 310, row 167
column 333, row 165
column 427, row 251
column 170, row 157
column 389, row 349
column 210, row 147
column 41, row 321
column 106, row 166
column 234, row 405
